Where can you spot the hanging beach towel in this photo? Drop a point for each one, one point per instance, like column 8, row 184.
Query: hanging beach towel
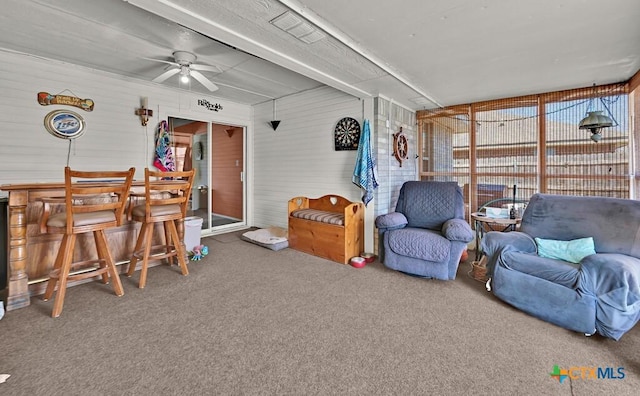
column 163, row 155
column 365, row 173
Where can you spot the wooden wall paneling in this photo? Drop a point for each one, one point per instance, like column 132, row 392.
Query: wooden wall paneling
column 114, row 137
column 299, row 159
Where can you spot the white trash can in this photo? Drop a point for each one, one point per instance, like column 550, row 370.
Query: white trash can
column 192, row 231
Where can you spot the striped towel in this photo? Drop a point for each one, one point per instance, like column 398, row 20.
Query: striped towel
column 365, row 173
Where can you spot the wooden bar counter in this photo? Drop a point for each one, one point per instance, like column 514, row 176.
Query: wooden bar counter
column 32, row 254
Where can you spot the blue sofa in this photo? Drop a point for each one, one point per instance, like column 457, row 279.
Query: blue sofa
column 600, row 291
column 427, row 233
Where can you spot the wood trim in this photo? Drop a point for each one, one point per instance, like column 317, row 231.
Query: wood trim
column 542, row 144
column 634, row 82
column 473, row 159
column 532, row 100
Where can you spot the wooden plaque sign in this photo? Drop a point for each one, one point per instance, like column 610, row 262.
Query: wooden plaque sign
column 45, row 99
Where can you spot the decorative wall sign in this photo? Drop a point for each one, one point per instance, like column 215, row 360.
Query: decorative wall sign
column 347, row 134
column 45, row 99
column 209, row 106
column 64, row 124
column 400, row 146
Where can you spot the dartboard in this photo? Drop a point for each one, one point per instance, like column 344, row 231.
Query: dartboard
column 347, row 134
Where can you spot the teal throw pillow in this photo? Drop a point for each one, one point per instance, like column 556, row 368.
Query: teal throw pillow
column 572, row 251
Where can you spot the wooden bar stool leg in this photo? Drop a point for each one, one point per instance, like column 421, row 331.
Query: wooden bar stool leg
column 167, row 241
column 134, row 258
column 51, row 284
column 105, row 254
column 180, row 251
column 179, row 223
column 96, row 238
column 147, row 252
column 64, row 273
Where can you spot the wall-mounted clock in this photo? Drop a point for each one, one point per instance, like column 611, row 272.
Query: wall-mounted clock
column 347, row 134
column 400, row 147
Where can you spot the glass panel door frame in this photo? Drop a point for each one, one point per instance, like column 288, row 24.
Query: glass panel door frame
column 207, row 227
column 210, row 152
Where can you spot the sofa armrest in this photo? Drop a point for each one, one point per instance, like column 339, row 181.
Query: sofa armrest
column 457, row 230
column 391, row 221
column 493, row 241
column 615, row 281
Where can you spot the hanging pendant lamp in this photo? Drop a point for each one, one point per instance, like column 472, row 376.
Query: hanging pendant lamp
column 594, row 122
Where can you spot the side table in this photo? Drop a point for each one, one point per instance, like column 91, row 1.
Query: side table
column 484, row 224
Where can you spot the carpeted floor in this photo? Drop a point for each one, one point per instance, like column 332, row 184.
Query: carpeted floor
column 248, row 320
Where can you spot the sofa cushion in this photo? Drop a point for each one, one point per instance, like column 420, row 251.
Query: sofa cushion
column 556, row 271
column 611, row 222
column 572, row 251
column 419, row 243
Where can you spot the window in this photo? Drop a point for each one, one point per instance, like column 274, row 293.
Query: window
column 532, row 142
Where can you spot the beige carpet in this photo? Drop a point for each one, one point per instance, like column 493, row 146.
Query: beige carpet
column 248, row 321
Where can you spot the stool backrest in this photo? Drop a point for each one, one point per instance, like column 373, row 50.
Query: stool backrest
column 167, row 188
column 95, row 191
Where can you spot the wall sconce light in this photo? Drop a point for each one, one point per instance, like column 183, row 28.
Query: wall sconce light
column 143, row 112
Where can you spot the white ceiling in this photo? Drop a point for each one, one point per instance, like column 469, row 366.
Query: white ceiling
column 419, row 53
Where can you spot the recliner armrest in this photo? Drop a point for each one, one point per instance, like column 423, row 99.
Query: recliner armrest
column 457, row 230
column 391, row 221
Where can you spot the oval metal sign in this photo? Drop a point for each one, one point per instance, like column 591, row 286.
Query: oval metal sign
column 64, row 124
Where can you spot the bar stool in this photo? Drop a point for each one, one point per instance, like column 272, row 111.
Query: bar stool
column 166, row 201
column 90, row 206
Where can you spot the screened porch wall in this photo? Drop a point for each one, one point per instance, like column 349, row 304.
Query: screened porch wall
column 531, row 142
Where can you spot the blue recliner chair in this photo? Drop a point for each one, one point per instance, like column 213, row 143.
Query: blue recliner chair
column 427, row 233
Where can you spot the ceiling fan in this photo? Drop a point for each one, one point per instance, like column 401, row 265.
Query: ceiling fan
column 184, row 65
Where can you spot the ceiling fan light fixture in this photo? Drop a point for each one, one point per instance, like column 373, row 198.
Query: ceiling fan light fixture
column 186, row 69
column 184, row 74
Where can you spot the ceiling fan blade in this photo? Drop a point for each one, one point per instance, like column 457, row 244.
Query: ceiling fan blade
column 204, row 81
column 166, row 75
column 196, row 66
column 163, row 61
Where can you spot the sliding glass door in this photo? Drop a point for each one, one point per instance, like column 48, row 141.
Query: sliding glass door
column 216, row 152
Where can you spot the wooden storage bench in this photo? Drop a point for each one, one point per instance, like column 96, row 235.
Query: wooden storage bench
column 331, row 227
